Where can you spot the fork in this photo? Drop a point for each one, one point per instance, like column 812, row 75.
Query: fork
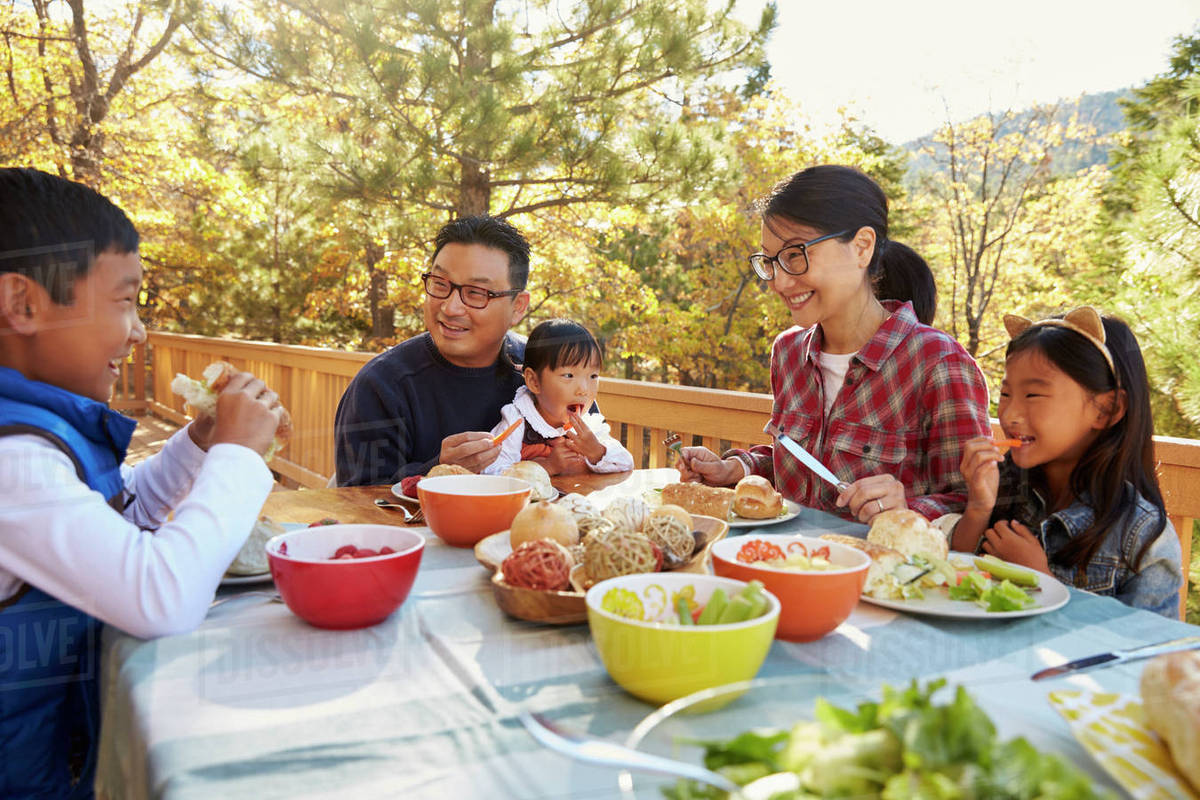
column 408, row 515
column 602, row 751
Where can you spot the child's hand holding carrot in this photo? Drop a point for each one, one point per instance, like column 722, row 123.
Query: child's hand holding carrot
column 979, row 469
column 582, row 439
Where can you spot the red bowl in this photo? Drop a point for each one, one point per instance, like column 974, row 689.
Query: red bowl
column 463, row 509
column 814, row 603
column 344, row 593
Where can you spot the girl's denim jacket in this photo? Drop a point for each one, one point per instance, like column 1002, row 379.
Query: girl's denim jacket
column 1154, row 587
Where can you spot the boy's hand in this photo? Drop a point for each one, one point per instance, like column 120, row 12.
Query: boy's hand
column 699, row 464
column 248, row 413
column 980, row 471
column 582, row 439
column 471, row 450
column 1014, row 542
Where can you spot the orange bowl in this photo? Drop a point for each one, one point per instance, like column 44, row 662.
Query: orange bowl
column 344, row 593
column 814, row 602
column 462, row 509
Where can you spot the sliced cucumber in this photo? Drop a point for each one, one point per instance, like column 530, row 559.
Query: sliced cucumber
column 1002, row 570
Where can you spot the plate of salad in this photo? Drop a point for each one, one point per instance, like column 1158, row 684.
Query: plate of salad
column 967, row 586
column 829, row 736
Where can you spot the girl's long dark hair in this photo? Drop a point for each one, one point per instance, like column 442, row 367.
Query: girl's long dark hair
column 832, row 198
column 560, row 342
column 1124, row 451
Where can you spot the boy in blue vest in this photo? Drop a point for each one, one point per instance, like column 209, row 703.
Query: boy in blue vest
column 84, row 539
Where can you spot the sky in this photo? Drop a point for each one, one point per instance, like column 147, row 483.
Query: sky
column 905, row 67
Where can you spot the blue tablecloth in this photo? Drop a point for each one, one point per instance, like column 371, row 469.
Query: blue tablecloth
column 255, row 703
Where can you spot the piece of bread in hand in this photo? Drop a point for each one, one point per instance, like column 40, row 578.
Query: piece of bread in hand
column 696, row 498
column 201, row 395
column 755, row 498
column 907, row 531
column 1170, row 688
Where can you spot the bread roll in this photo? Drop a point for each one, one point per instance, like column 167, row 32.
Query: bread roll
column 880, row 582
column 755, row 498
column 537, row 477
column 696, row 498
column 448, row 469
column 907, row 531
column 1170, row 689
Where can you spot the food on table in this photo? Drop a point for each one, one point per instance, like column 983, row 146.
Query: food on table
column 579, row 505
column 798, row 557
column 755, row 498
column 536, row 476
column 670, row 527
column 543, row 521
column 978, row 588
column 252, row 558
column 880, row 582
column 348, row 551
column 1005, row 571
column 438, row 470
column 721, row 609
column 542, row 564
column 323, row 521
column 696, row 498
column 907, row 531
column 626, row 513
column 905, row 746
column 1170, row 689
column 201, row 395
column 619, row 552
column 408, row 486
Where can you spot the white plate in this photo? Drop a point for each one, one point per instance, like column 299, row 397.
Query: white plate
column 396, row 491
column 790, row 510
column 1053, row 595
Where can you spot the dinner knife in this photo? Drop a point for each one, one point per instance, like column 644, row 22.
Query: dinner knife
column 810, row 461
column 1118, row 656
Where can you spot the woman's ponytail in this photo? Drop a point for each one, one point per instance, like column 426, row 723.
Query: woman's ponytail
column 903, row 275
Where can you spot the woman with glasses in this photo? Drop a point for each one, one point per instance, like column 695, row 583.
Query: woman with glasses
column 882, row 399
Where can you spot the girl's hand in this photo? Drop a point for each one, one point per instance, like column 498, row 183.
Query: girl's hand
column 582, row 439
column 1014, row 542
column 979, row 469
column 701, row 465
column 564, row 459
column 871, row 496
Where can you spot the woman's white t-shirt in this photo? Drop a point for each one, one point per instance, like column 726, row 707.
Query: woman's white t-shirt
column 834, row 367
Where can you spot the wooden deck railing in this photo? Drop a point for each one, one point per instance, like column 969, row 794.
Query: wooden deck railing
column 311, row 380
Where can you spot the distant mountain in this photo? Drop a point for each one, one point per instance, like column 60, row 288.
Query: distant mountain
column 1101, row 110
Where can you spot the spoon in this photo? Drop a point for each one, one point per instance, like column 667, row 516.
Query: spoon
column 385, row 504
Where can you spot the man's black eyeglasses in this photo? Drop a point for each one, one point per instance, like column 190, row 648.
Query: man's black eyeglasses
column 472, row 296
column 791, row 258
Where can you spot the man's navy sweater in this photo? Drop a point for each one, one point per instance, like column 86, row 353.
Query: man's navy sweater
column 395, row 413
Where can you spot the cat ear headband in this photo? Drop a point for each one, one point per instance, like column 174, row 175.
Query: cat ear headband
column 1083, row 320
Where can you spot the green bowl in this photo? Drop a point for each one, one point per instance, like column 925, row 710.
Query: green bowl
column 658, row 660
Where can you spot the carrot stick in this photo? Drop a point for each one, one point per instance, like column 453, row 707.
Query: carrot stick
column 1007, row 442
column 500, row 437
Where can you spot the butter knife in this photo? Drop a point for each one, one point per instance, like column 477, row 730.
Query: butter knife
column 810, row 461
column 1118, row 656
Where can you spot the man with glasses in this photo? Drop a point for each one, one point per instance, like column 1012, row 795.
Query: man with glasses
column 433, row 398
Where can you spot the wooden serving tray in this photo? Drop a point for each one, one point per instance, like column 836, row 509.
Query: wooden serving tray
column 569, row 608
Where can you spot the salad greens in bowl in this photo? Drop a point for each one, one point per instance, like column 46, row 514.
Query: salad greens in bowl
column 827, row 736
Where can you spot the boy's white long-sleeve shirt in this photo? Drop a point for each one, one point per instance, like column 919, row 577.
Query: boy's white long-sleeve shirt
column 616, row 457
column 63, row 537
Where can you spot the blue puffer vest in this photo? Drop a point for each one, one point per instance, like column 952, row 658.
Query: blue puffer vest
column 49, row 651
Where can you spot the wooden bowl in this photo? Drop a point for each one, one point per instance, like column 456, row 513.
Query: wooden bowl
column 569, row 608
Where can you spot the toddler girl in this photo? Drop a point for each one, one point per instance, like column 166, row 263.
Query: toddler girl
column 562, row 376
column 1077, row 498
